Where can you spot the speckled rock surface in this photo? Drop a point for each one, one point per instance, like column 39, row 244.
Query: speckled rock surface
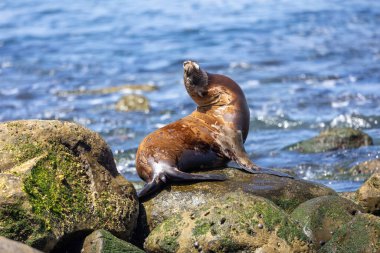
column 349, row 195
column 102, row 241
column 237, row 222
column 58, row 178
column 285, row 192
column 368, row 195
column 366, row 169
column 321, row 216
column 359, row 235
column 333, row 139
column 10, row 246
column 132, row 102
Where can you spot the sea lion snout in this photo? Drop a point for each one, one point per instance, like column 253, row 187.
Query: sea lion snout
column 193, row 74
column 187, row 64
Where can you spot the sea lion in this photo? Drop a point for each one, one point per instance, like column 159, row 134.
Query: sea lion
column 210, row 137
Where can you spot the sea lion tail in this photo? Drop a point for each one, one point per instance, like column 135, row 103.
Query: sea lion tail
column 179, row 176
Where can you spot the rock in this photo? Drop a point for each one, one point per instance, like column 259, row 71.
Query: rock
column 368, row 195
column 102, row 241
column 366, row 169
column 108, row 90
column 359, row 235
column 132, row 102
column 285, row 192
column 320, row 217
column 236, row 222
column 10, row 246
column 349, row 195
column 59, row 178
column 333, row 139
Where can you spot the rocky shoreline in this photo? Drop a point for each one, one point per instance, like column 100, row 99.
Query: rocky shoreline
column 60, row 191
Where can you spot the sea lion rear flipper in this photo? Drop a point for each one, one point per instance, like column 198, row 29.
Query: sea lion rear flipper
column 149, row 188
column 179, row 176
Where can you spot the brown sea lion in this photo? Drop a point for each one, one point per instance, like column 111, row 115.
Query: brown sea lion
column 210, row 137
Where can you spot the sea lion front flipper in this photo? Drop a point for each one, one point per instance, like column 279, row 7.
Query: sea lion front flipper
column 176, row 175
column 240, row 156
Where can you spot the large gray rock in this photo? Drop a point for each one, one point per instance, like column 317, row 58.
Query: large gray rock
column 102, row 241
column 10, row 246
column 321, row 216
column 235, row 222
column 285, row 192
column 368, row 195
column 359, row 235
column 333, row 139
column 59, row 178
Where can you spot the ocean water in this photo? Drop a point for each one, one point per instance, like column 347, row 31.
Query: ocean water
column 304, row 66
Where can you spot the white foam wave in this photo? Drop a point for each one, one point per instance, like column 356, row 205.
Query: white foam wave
column 349, row 121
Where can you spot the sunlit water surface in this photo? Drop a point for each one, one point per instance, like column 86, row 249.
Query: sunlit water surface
column 304, row 66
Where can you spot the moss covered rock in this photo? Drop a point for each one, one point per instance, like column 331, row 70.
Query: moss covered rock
column 285, row 192
column 333, row 139
column 234, row 223
column 351, row 196
column 132, row 102
column 102, row 241
column 359, row 235
column 321, row 216
column 8, row 246
column 59, row 178
column 368, row 195
column 112, row 89
column 366, row 169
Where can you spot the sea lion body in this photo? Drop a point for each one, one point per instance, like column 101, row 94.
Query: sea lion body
column 209, row 137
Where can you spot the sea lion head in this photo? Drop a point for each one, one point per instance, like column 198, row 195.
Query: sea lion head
column 196, row 81
column 218, row 95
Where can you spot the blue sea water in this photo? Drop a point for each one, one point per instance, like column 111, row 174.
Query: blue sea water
column 304, row 66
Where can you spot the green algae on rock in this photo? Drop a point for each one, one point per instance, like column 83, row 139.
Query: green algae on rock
column 368, row 195
column 236, row 222
column 359, row 235
column 63, row 180
column 8, row 246
column 321, row 216
column 102, row 241
column 351, row 196
column 333, row 139
column 285, row 192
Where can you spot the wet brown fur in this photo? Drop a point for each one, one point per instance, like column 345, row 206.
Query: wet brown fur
column 209, row 137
